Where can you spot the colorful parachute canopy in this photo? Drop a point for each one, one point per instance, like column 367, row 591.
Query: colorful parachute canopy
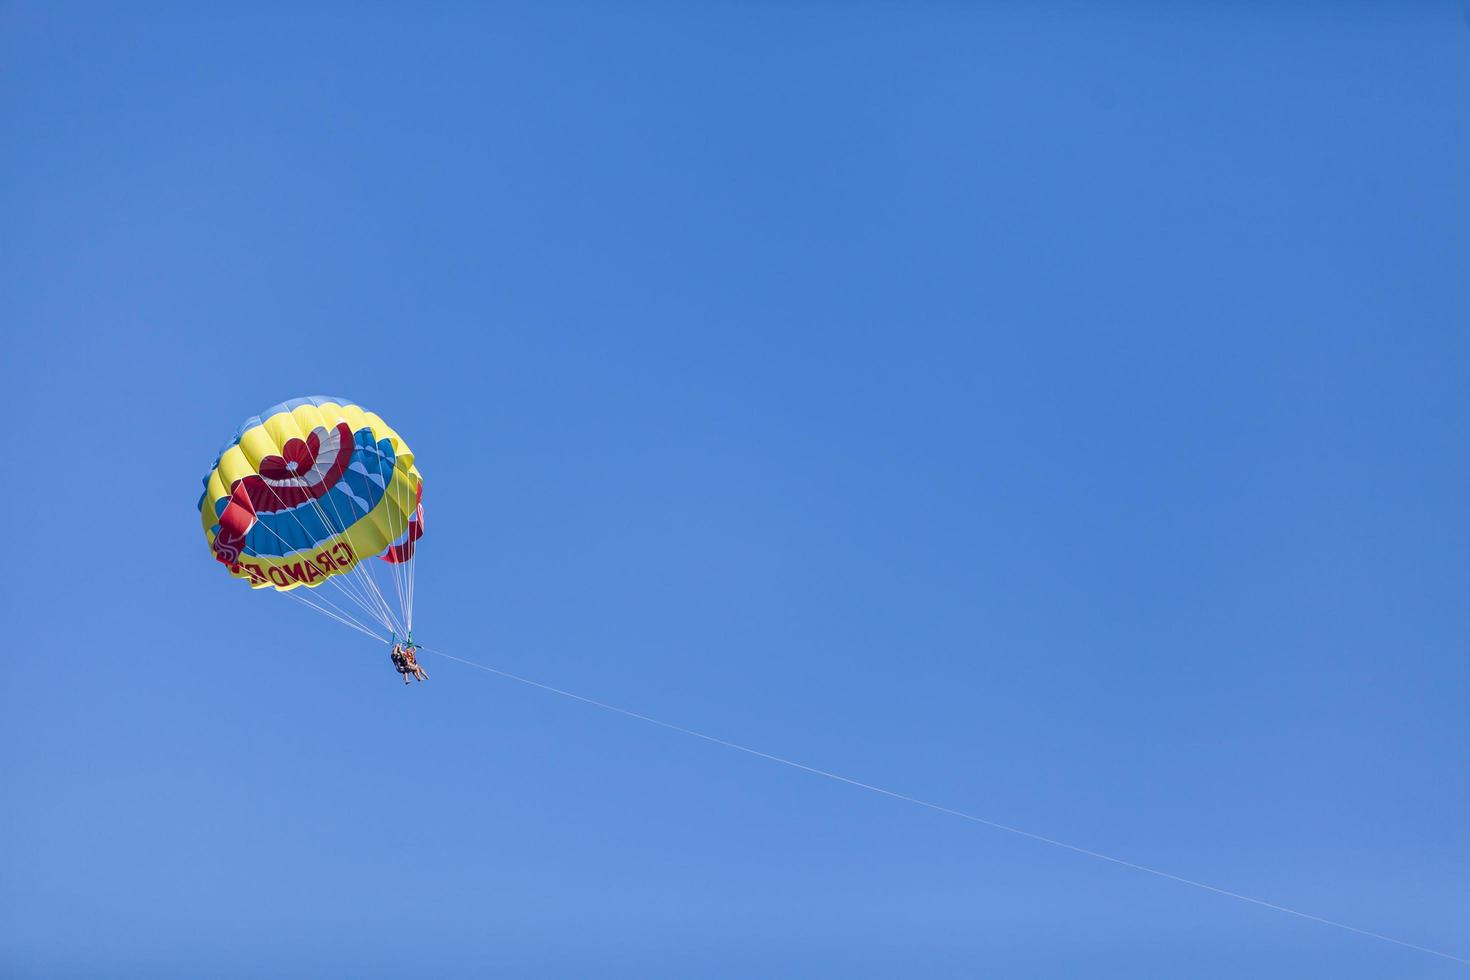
column 309, row 489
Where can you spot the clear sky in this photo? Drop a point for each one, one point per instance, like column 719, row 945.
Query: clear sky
column 1057, row 411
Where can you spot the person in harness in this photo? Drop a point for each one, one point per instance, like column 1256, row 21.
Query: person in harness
column 400, row 663
column 407, row 664
column 412, row 661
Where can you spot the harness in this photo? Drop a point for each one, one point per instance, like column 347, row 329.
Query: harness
column 403, row 655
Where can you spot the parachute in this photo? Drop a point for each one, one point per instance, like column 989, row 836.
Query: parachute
column 304, row 496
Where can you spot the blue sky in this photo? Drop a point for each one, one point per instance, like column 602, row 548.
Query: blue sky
column 1055, row 411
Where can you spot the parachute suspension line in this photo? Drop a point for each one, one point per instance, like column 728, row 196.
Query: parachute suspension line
column 398, row 526
column 372, row 573
column 364, row 597
column 410, row 566
column 394, row 572
column 345, row 621
column 1006, row 828
column 368, row 595
column 363, row 602
column 366, row 600
column 328, row 608
column 365, row 606
column 364, row 576
column 412, row 571
column 366, row 570
column 409, row 573
column 341, row 582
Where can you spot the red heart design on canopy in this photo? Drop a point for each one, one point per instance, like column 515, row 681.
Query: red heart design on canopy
column 297, row 458
column 305, row 470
